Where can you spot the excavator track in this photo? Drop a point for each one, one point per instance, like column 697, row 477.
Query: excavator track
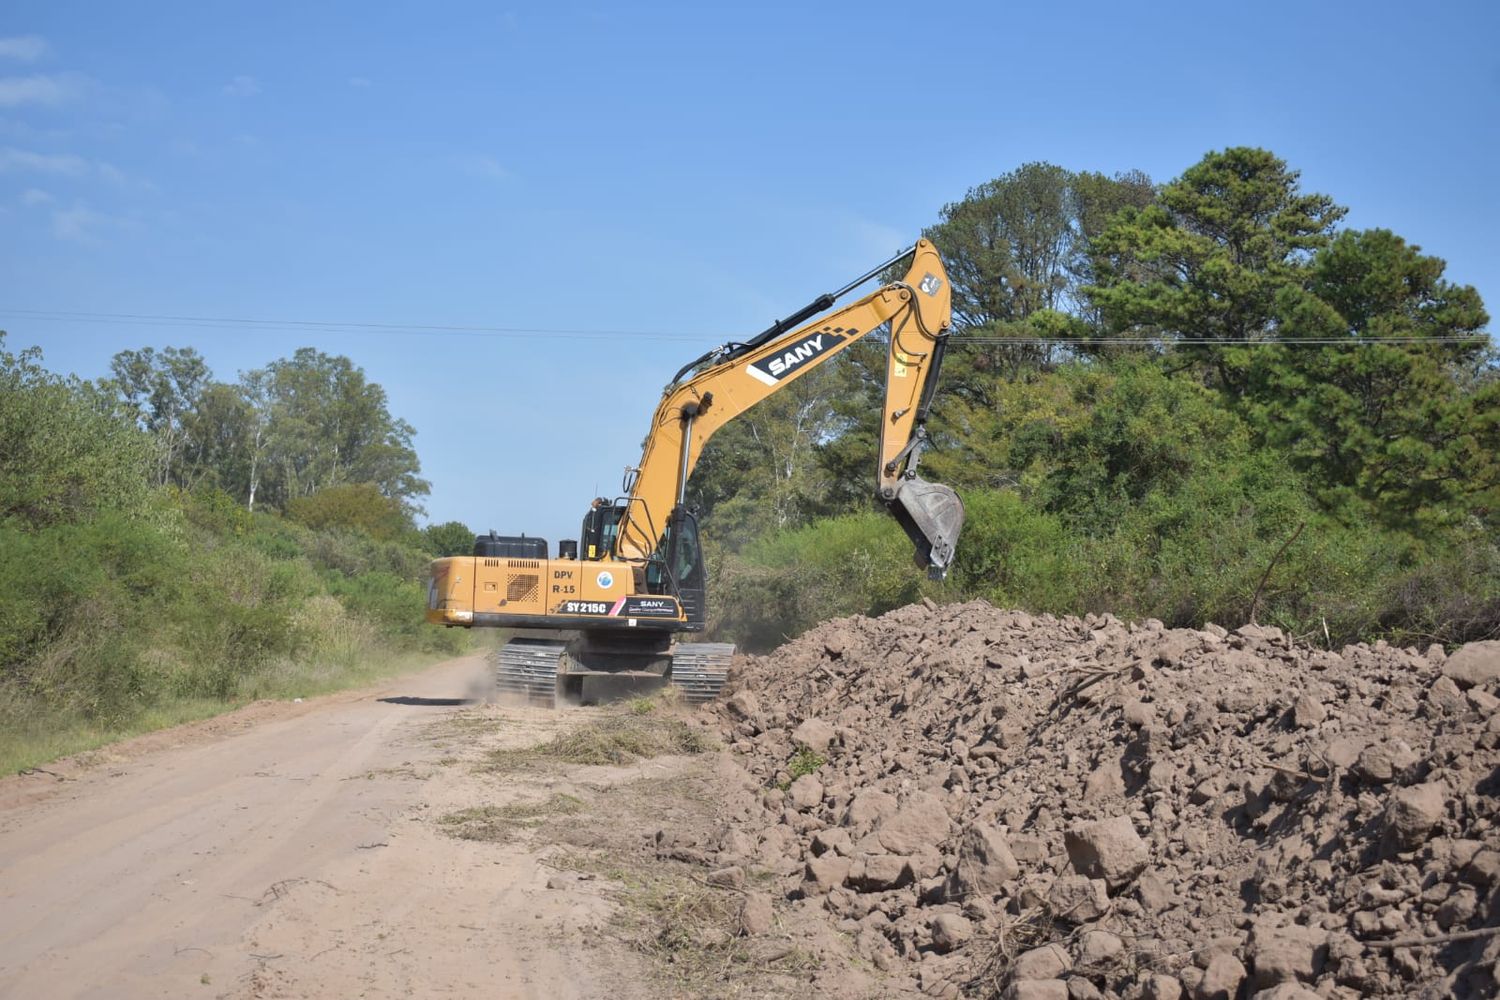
column 699, row 669
column 527, row 668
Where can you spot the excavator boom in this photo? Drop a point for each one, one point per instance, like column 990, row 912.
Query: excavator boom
column 724, row 383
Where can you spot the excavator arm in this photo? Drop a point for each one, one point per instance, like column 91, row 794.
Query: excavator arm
column 721, row 385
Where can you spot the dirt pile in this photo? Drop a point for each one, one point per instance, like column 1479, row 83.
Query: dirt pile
column 995, row 803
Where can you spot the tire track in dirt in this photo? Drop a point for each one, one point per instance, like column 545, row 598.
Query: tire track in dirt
column 292, row 857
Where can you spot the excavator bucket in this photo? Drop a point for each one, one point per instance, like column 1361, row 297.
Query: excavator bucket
column 932, row 516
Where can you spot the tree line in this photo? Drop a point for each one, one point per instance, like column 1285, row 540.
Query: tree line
column 170, row 545
column 1164, row 382
column 276, row 434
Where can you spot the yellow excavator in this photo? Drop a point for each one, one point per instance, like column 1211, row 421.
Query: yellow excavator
column 600, row 620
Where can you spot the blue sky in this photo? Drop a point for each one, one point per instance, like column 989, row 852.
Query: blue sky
column 686, row 173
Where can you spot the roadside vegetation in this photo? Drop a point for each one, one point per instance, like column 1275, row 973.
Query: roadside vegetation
column 140, row 586
column 1195, row 401
column 641, row 730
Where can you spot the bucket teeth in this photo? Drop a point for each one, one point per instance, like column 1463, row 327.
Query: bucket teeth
column 933, row 517
column 699, row 669
column 527, row 668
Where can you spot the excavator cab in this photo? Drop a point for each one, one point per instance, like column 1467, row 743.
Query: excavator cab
column 677, row 568
column 596, row 540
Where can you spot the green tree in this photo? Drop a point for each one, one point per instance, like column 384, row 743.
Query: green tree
column 1016, row 250
column 66, row 452
column 1401, row 411
column 218, row 451
column 325, row 425
column 1097, row 199
column 451, row 538
column 162, row 390
column 352, row 507
column 1208, row 260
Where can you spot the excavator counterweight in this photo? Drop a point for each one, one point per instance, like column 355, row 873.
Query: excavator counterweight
column 600, row 620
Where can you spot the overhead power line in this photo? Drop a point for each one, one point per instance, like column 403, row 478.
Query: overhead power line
column 325, row 326
column 1211, row 342
column 575, row 333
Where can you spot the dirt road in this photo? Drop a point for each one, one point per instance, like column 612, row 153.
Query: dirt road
column 291, row 852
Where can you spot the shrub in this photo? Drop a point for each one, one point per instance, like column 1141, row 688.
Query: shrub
column 782, row 585
column 65, row 454
column 352, row 507
column 451, row 538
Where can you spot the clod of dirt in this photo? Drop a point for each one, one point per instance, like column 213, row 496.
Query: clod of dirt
column 756, row 914
column 815, row 735
column 950, row 931
column 1047, row 962
column 1109, row 849
column 1099, row 948
column 1475, row 664
column 1286, row 954
column 805, row 793
column 1078, row 899
column 1159, row 987
column 1037, row 989
column 985, row 863
column 1221, row 980
column 1411, row 813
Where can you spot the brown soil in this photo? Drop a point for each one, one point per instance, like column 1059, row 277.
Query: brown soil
column 400, row 842
column 294, row 851
column 993, row 803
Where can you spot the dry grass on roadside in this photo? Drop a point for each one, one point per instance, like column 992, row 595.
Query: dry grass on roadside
column 498, row 824
column 635, row 731
column 667, row 912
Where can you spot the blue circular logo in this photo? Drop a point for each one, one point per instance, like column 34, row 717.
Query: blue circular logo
column 605, row 580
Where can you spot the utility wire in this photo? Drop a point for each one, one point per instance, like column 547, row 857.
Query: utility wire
column 570, row 333
column 1211, row 342
column 320, row 326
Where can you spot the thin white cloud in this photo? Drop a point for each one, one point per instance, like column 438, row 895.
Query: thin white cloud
column 26, row 48
column 242, row 86
column 361, row 81
column 69, row 165
column 483, row 165
column 79, row 224
column 44, row 163
column 35, row 196
column 48, row 91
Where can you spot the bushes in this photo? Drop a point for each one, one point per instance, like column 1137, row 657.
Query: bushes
column 451, row 538
column 80, row 601
column 107, row 617
column 352, row 507
column 64, row 453
column 1014, row 554
column 1190, row 556
column 1451, row 596
column 120, row 604
column 786, row 583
